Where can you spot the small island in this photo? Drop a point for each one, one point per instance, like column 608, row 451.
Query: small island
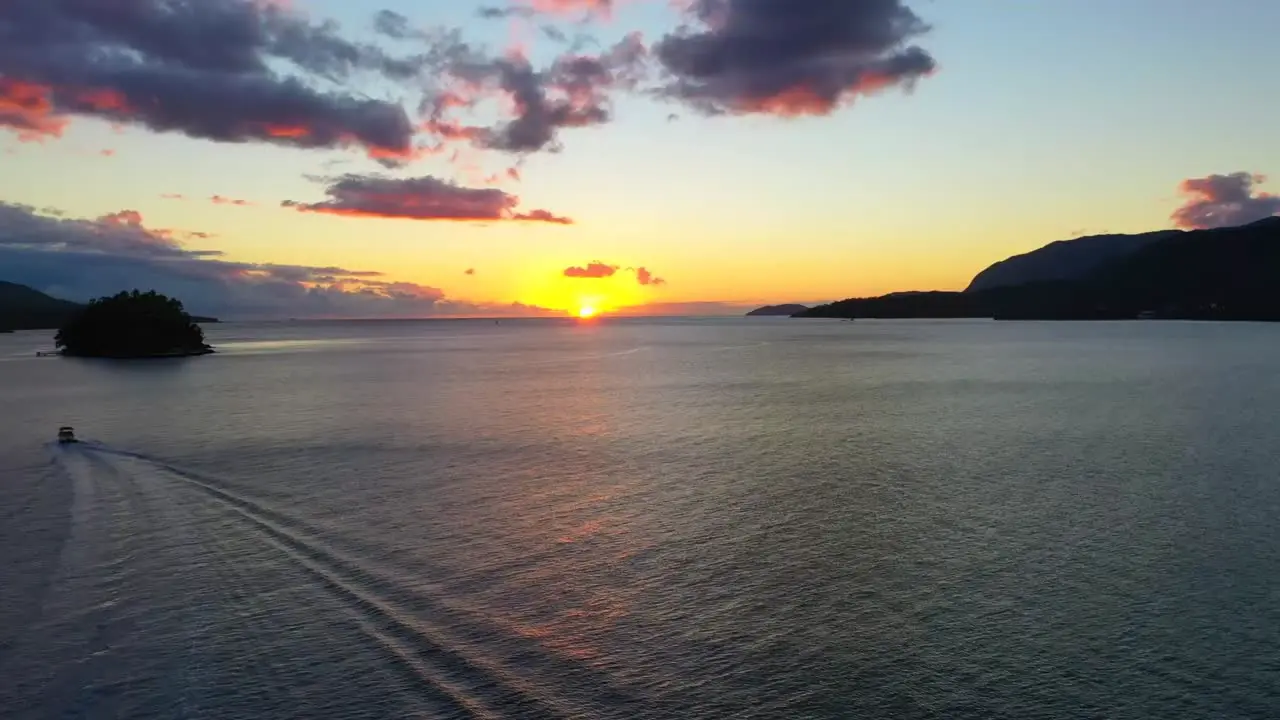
column 132, row 325
column 777, row 311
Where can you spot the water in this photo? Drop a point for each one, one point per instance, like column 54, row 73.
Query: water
column 647, row 519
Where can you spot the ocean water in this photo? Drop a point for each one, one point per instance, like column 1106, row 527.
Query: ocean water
column 762, row 518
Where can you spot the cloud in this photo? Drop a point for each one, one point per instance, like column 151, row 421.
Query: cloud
column 573, row 92
column 599, row 270
column 1223, row 201
column 80, row 259
column 469, row 271
column 493, row 12
column 396, row 26
column 603, row 8
column 27, row 110
column 644, row 277
column 119, row 233
column 593, row 270
column 220, row 200
column 213, row 70
column 565, row 6
column 215, row 199
column 791, row 57
column 420, row 198
column 543, row 216
column 554, row 34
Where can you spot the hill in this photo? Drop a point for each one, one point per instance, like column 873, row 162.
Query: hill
column 1064, row 260
column 24, row 308
column 1221, row 274
column 776, row 310
column 1225, row 273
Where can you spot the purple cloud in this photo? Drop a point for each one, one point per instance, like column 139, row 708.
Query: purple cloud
column 791, row 57
column 209, row 70
column 574, row 92
column 1217, row 201
column 420, row 198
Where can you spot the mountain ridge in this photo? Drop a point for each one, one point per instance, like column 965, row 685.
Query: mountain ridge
column 1211, row 274
column 1064, row 259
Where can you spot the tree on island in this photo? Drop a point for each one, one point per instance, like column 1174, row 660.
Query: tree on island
column 132, row 325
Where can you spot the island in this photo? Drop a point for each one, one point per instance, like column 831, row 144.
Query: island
column 132, row 325
column 777, row 310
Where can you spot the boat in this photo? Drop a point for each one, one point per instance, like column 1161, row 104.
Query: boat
column 66, row 434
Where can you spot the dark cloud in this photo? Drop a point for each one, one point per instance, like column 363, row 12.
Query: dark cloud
column 644, row 277
column 791, row 57
column 554, row 34
column 1224, row 201
column 492, row 12
column 209, row 70
column 396, row 26
column 257, row 71
column 593, row 270
column 82, row 259
column 469, row 271
column 420, row 198
column 575, row 91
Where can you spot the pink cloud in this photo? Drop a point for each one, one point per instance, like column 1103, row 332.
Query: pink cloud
column 1223, row 201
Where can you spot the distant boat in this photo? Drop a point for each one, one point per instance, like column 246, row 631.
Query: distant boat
column 1147, row 315
column 66, row 434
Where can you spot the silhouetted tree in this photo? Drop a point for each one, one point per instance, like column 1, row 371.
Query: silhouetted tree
column 132, row 324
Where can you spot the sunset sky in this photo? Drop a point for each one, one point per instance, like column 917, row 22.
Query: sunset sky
column 449, row 157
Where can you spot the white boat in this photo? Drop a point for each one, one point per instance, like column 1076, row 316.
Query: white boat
column 66, row 434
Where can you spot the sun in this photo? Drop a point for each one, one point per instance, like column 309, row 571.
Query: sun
column 587, row 311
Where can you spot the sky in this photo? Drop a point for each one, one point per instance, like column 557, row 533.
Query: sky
column 324, row 158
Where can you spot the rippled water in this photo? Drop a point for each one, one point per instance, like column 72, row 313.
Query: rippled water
column 648, row 519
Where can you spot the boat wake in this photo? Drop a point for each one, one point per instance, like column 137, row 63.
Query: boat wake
column 149, row 535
